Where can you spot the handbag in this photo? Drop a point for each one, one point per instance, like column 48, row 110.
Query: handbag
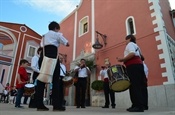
column 47, row 68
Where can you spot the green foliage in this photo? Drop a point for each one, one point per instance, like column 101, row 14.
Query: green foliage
column 90, row 63
column 97, row 85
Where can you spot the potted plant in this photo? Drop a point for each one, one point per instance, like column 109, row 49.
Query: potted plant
column 98, row 97
column 97, row 85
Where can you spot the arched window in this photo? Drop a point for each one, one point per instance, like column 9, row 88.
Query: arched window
column 130, row 26
column 83, row 26
column 1, row 46
column 6, row 44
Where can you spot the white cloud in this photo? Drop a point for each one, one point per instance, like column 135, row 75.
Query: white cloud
column 172, row 4
column 58, row 7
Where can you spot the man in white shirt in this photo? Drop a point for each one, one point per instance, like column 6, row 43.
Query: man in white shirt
column 34, row 64
column 83, row 73
column 102, row 71
column 35, row 68
column 62, row 75
column 107, row 91
column 134, row 66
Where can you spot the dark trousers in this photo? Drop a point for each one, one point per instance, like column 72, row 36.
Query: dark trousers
column 33, row 101
column 35, row 75
column 50, row 51
column 25, row 99
column 138, row 84
column 108, row 92
column 81, row 91
column 61, row 90
column 4, row 98
column 50, row 99
column 145, row 95
column 19, row 96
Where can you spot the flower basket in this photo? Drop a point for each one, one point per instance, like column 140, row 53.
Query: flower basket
column 97, row 85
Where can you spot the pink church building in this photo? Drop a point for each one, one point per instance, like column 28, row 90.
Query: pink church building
column 153, row 24
column 105, row 23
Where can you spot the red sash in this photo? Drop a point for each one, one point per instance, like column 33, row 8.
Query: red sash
column 106, row 80
column 134, row 60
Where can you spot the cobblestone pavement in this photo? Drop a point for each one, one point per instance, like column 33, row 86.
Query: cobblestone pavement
column 8, row 109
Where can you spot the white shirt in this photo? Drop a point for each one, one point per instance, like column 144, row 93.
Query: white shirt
column 53, row 38
column 102, row 72
column 63, row 69
column 5, row 92
column 82, row 73
column 106, row 73
column 34, row 63
column 131, row 48
column 145, row 69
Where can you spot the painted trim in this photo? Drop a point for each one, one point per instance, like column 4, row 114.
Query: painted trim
column 160, row 28
column 32, row 37
column 93, row 24
column 75, row 36
column 23, row 27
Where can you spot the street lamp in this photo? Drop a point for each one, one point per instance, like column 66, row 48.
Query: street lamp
column 97, row 44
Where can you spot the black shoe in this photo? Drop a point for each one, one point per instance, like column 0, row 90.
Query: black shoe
column 136, row 109
column 113, row 107
column 43, row 109
column 78, row 106
column 19, row 106
column 83, row 107
column 105, row 106
column 59, row 109
column 145, row 108
column 32, row 107
column 64, row 102
column 129, row 108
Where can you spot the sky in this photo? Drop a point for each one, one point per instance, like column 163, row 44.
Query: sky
column 37, row 14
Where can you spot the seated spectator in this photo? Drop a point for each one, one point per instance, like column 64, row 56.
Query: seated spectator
column 5, row 94
column 13, row 93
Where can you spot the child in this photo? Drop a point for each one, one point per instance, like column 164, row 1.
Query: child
column 22, row 79
column 5, row 95
column 52, row 40
column 13, row 93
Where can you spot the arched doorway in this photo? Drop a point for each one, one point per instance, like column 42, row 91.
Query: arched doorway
column 7, row 52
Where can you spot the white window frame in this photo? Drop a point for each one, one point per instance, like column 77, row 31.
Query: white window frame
column 82, row 22
column 29, row 50
column 128, row 31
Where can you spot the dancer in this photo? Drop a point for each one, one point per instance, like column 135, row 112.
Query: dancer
column 51, row 42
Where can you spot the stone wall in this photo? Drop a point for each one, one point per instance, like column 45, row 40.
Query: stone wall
column 158, row 96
